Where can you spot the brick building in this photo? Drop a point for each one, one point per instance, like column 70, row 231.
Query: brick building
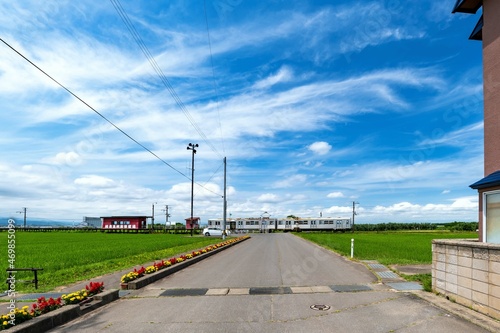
column 487, row 30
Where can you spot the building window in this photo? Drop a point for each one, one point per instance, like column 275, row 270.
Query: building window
column 491, row 217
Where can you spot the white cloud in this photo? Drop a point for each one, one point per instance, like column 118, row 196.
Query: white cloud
column 268, row 197
column 95, row 181
column 337, row 211
column 459, row 138
column 283, row 75
column 335, row 195
column 465, row 207
column 292, row 181
column 69, row 158
column 320, row 147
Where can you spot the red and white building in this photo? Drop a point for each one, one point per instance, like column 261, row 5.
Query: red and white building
column 124, row 222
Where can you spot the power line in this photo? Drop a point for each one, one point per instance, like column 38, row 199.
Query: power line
column 131, row 28
column 90, row 107
column 211, row 179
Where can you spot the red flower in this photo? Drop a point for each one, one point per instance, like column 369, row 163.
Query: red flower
column 94, row 288
column 140, row 271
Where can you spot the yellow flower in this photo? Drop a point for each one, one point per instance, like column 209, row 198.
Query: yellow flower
column 5, row 323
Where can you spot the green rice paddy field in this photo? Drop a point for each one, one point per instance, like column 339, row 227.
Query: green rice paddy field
column 389, row 248
column 68, row 257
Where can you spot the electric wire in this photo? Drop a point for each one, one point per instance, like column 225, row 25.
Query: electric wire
column 133, row 31
column 101, row 115
column 90, row 107
column 209, row 179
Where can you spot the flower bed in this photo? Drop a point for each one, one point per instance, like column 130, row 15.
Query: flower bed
column 174, row 264
column 42, row 305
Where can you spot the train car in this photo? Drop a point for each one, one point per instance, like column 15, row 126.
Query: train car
column 284, row 224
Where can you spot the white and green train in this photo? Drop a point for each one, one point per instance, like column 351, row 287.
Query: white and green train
column 267, row 224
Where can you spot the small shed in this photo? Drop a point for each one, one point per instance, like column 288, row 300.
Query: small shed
column 192, row 224
column 124, row 222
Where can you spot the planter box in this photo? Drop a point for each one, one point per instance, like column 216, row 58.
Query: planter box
column 153, row 277
column 64, row 314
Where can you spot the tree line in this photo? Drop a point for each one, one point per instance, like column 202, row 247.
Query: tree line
column 393, row 226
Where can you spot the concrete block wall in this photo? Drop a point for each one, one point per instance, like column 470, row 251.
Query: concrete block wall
column 468, row 272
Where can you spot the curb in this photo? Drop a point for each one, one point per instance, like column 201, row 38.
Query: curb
column 64, row 314
column 153, row 277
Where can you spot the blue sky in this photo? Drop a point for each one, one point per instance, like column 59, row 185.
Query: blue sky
column 315, row 104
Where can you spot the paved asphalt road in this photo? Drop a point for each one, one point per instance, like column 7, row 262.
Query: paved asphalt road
column 268, row 284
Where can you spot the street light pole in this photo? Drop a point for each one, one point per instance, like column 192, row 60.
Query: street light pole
column 192, row 147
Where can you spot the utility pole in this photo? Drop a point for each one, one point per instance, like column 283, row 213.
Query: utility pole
column 167, row 215
column 24, row 211
column 354, row 203
column 192, row 147
column 153, row 216
column 224, row 213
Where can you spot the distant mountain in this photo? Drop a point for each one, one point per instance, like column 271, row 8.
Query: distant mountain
column 37, row 222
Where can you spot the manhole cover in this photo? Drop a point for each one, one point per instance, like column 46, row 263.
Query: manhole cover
column 320, row 307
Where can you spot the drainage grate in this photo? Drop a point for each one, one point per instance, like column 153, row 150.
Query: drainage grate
column 388, row 275
column 320, row 307
column 377, row 266
column 270, row 291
